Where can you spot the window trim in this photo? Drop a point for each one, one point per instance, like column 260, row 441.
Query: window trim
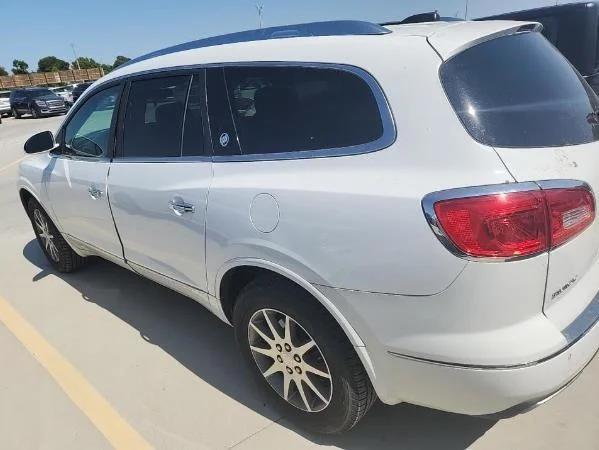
column 387, row 139
column 113, row 125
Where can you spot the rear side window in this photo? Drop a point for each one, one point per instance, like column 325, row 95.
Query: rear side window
column 519, row 91
column 153, row 124
column 290, row 109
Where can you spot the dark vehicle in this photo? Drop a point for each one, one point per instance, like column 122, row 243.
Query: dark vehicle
column 573, row 29
column 36, row 101
column 79, row 89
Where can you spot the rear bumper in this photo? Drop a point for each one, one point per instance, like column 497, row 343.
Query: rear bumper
column 496, row 392
column 477, row 383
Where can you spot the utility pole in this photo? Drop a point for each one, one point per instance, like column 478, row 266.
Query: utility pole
column 76, row 58
column 260, row 8
column 466, row 12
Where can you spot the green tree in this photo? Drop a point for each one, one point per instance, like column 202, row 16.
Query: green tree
column 85, row 63
column 107, row 68
column 120, row 60
column 19, row 67
column 3, row 72
column 51, row 64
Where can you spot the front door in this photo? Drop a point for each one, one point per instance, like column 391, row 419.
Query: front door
column 158, row 183
column 76, row 177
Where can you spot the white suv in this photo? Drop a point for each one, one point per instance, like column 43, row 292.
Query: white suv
column 402, row 212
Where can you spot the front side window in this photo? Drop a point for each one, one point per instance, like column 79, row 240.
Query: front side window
column 88, row 131
column 519, row 91
column 295, row 108
column 153, row 125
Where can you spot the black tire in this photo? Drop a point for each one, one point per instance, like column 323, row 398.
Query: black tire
column 15, row 114
column 64, row 258
column 34, row 113
column 352, row 393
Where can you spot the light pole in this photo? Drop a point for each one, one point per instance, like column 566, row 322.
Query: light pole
column 466, row 12
column 76, row 58
column 259, row 8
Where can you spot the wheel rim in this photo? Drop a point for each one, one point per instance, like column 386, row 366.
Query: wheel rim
column 290, row 360
column 43, row 231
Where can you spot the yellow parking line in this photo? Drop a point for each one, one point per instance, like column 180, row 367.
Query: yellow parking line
column 106, row 419
column 12, row 164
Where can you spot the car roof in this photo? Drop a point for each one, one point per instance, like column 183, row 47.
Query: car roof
column 286, row 44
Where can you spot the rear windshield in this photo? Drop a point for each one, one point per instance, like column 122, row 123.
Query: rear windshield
column 519, row 91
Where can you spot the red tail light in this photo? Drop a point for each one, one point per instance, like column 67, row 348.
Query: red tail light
column 512, row 224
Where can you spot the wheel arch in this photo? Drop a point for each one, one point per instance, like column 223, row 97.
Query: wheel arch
column 25, row 195
column 235, row 274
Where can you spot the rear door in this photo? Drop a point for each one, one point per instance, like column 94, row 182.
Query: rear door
column 159, row 181
column 541, row 118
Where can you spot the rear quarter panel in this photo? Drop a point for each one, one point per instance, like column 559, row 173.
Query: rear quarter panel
column 356, row 222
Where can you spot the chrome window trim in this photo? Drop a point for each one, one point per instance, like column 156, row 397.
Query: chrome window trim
column 387, row 139
column 429, row 201
column 161, row 159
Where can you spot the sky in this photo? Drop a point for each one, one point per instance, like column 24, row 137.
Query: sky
column 104, row 29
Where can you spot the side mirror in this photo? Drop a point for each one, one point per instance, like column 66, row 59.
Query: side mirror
column 40, row 142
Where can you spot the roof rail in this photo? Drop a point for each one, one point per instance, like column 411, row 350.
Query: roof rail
column 420, row 18
column 330, row 28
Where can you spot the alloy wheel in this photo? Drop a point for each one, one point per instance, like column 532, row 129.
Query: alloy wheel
column 290, row 360
column 47, row 238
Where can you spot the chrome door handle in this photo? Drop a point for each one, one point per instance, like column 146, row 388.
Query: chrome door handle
column 180, row 207
column 94, row 192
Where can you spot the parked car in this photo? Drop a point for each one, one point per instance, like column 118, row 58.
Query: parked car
column 66, row 92
column 37, row 102
column 573, row 28
column 4, row 103
column 78, row 90
column 422, row 231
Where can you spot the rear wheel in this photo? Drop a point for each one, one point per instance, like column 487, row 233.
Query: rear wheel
column 300, row 357
column 15, row 114
column 55, row 247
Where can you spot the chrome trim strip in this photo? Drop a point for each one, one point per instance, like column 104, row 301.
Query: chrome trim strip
column 387, row 139
column 428, row 206
column 165, row 159
column 584, row 322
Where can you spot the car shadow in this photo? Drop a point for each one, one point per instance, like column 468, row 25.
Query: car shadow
column 194, row 337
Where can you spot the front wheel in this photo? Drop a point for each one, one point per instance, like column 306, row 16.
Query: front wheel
column 60, row 254
column 34, row 112
column 300, row 357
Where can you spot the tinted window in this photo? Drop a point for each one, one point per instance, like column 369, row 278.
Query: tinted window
column 88, row 131
column 33, row 93
column 154, row 117
column 286, row 109
column 193, row 136
column 519, row 91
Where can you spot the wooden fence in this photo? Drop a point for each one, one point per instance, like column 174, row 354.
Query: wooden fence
column 46, row 78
